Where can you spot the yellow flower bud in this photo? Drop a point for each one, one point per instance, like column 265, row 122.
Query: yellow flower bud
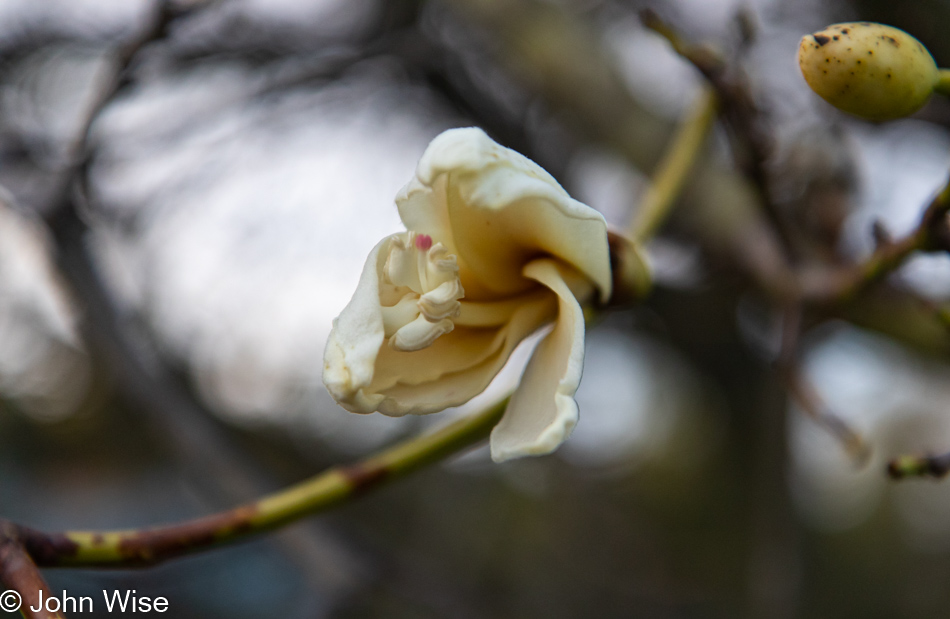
column 870, row 70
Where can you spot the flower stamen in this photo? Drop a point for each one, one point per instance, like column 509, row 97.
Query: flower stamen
column 420, row 292
column 423, row 242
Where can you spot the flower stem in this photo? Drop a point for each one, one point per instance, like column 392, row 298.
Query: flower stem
column 943, row 83
column 326, row 490
column 674, row 167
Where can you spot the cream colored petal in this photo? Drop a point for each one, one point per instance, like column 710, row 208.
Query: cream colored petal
column 496, row 210
column 458, row 365
column 350, row 356
column 542, row 412
column 495, row 313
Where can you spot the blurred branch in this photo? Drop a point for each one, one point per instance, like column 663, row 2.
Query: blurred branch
column 752, row 142
column 80, row 154
column 318, row 494
column 931, row 234
column 18, row 573
column 673, row 169
column 806, row 396
column 891, row 311
column 919, row 466
column 939, row 311
column 144, row 382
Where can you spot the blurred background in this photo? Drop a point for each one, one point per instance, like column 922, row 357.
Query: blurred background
column 161, row 340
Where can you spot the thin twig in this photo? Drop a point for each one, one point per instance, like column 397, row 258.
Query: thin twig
column 806, row 396
column 150, row 546
column 931, row 234
column 674, row 167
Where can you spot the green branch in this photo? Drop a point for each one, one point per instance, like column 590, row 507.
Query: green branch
column 943, row 83
column 919, row 466
column 326, row 490
column 931, row 234
column 674, row 167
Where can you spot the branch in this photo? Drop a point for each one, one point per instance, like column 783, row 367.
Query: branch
column 919, row 466
column 19, row 573
column 142, row 380
column 931, row 234
column 320, row 493
column 80, row 154
column 807, row 397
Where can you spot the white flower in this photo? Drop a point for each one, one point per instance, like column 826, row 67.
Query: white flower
column 495, row 250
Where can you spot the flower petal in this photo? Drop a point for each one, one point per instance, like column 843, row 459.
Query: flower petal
column 457, row 366
column 497, row 210
column 358, row 332
column 542, row 412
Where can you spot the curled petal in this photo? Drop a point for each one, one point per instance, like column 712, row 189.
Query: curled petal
column 495, row 313
column 358, row 332
column 457, row 366
column 497, row 210
column 542, row 412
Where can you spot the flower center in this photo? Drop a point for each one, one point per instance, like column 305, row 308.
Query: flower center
column 419, row 290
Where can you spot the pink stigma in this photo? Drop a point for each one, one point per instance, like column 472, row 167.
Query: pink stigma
column 423, row 242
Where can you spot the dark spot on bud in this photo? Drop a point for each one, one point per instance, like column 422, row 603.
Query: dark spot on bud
column 870, row 53
column 835, row 37
column 821, row 39
column 844, row 31
column 892, row 41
